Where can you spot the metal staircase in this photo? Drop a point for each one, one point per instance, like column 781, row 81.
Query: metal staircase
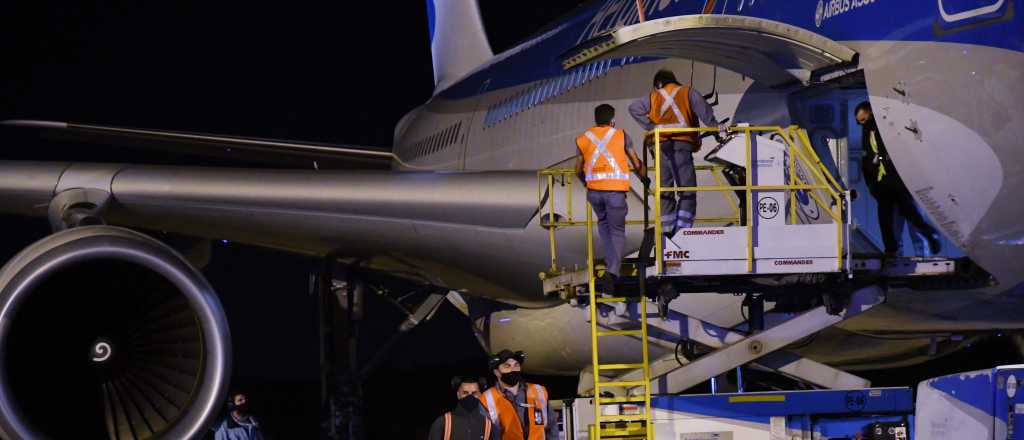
column 618, row 426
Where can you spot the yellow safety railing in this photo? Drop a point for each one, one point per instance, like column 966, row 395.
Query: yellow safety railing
column 550, row 178
column 799, row 149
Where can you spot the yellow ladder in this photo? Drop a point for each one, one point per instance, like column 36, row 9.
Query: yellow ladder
column 618, row 427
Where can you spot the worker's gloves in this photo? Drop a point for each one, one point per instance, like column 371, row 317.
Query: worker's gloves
column 723, row 129
column 645, row 180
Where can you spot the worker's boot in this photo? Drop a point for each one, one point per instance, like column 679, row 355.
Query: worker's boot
column 608, row 283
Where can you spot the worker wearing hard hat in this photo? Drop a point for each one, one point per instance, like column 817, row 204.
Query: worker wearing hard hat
column 520, row 409
column 672, row 105
column 603, row 158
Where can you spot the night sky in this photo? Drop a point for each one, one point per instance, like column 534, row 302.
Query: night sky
column 340, row 73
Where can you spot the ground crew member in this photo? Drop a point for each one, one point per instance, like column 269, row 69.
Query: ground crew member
column 519, row 408
column 239, row 424
column 671, row 105
column 469, row 420
column 601, row 162
column 885, row 184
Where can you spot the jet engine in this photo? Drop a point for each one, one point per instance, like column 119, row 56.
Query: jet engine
column 108, row 333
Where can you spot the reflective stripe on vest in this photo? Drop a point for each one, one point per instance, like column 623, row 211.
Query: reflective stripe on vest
column 670, row 104
column 601, row 150
column 492, row 408
column 874, row 149
column 448, row 427
column 542, row 399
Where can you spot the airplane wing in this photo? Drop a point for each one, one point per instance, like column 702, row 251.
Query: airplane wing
column 471, row 231
column 280, row 152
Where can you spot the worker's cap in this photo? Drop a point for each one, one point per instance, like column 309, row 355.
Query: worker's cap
column 505, row 355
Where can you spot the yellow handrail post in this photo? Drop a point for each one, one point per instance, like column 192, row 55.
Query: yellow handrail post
column 646, row 366
column 792, row 177
column 593, row 318
column 750, row 207
column 657, row 202
column 569, row 197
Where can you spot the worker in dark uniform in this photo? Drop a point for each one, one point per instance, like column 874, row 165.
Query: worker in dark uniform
column 239, row 423
column 885, row 185
column 672, row 105
column 468, row 421
column 521, row 409
column 603, row 158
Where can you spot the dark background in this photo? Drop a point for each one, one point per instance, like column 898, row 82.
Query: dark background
column 341, row 73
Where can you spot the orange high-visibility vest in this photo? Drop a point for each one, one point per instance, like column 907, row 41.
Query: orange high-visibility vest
column 448, row 427
column 500, row 411
column 670, row 108
column 604, row 159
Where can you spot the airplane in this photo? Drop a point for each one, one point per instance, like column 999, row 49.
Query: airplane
column 941, row 75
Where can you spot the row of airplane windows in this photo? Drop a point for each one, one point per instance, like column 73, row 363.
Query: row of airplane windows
column 547, row 89
column 438, row 141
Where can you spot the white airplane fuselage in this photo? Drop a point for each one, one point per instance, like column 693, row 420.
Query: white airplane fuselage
column 949, row 113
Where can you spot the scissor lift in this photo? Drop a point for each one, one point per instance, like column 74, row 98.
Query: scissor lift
column 775, row 241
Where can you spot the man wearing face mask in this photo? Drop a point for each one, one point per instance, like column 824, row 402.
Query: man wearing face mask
column 468, row 421
column 521, row 409
column 239, row 424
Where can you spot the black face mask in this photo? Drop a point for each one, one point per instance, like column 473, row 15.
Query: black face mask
column 469, row 403
column 242, row 409
column 511, row 378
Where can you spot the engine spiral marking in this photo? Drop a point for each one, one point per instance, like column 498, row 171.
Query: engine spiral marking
column 101, row 351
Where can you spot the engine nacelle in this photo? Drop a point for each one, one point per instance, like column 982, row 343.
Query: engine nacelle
column 141, row 351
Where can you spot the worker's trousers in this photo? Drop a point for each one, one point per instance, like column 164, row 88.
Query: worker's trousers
column 610, row 208
column 678, row 209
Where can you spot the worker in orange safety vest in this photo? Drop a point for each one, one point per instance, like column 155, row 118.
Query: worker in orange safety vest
column 604, row 154
column 519, row 408
column 672, row 105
